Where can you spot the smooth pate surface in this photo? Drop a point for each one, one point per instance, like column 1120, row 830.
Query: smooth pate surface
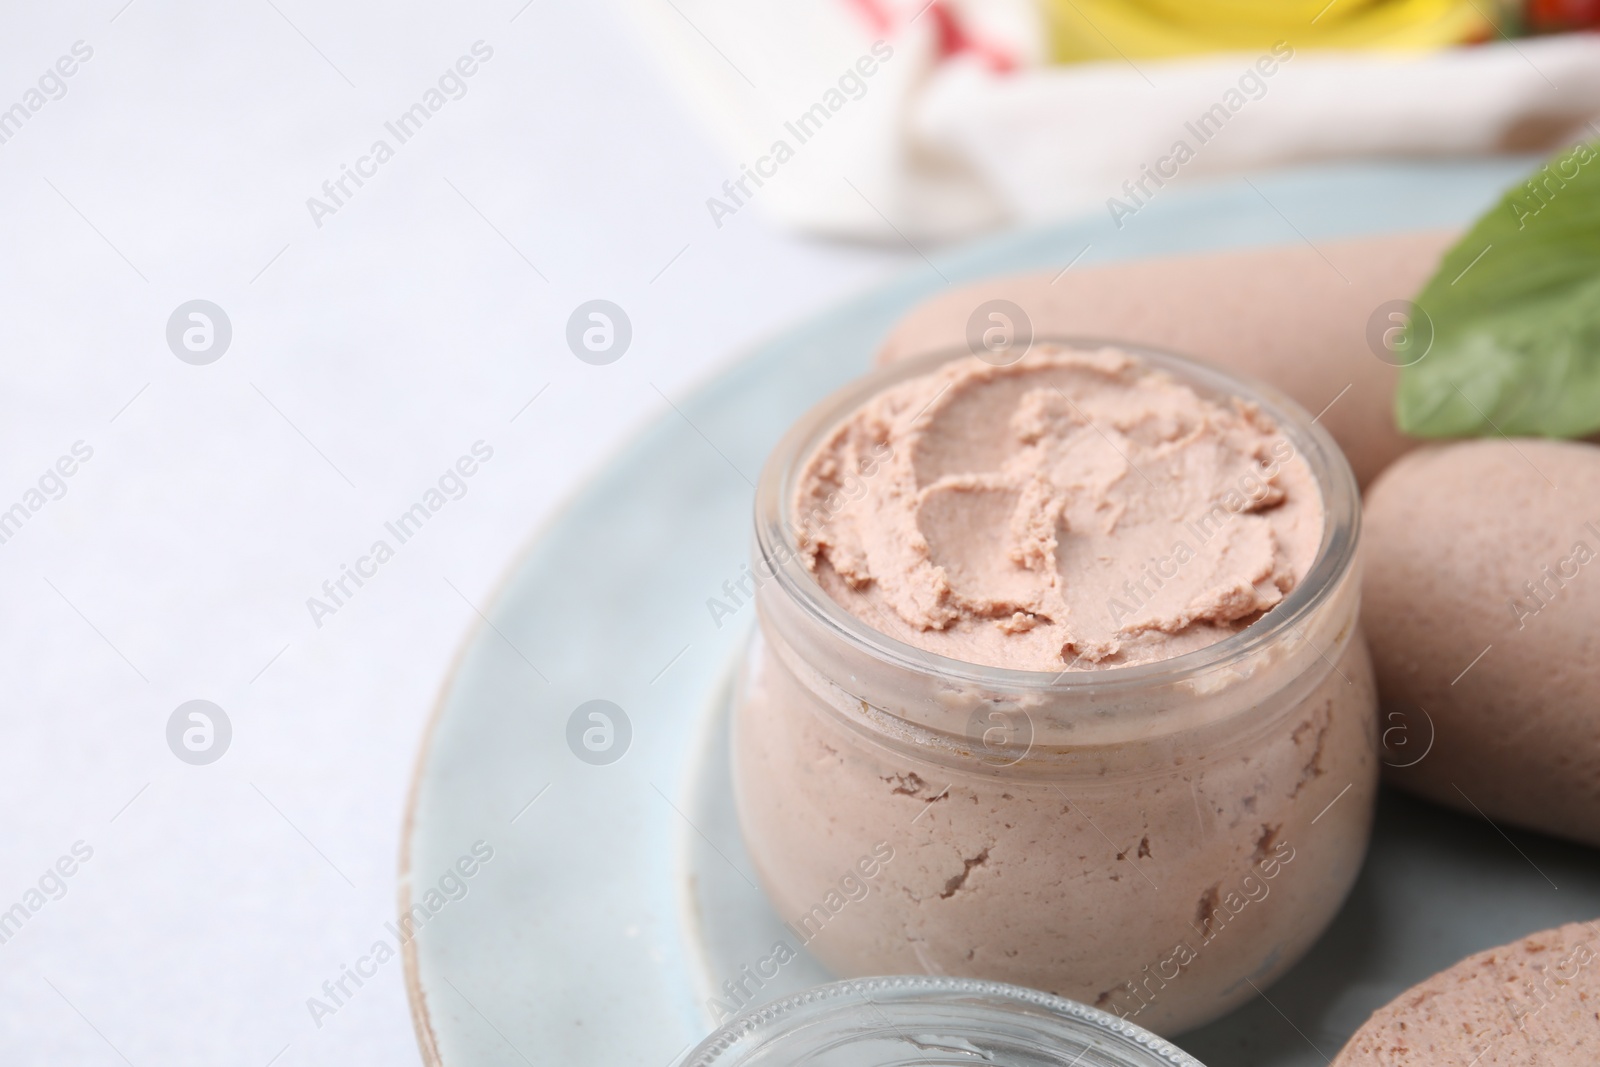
column 1074, row 510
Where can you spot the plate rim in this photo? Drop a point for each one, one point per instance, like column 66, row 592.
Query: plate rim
column 416, row 995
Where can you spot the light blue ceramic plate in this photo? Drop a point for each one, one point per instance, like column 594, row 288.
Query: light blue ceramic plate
column 619, row 899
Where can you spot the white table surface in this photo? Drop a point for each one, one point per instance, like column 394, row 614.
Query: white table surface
column 367, row 355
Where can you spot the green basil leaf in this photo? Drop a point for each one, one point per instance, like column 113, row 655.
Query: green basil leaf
column 1515, row 316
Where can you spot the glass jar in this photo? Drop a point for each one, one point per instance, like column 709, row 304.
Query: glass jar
column 1158, row 841
column 919, row 1022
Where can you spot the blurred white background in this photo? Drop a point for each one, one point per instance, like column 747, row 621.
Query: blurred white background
column 367, row 354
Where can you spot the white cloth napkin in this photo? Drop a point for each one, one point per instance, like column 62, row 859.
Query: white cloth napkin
column 955, row 122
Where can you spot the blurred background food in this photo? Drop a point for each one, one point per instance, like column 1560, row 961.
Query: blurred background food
column 1557, row 16
column 1086, row 29
column 928, row 120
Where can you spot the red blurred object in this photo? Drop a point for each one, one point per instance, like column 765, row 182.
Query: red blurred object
column 954, row 38
column 1553, row 16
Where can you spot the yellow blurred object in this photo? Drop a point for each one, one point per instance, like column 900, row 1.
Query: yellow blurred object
column 1109, row 29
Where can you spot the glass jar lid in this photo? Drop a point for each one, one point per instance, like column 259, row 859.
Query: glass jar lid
column 931, row 1022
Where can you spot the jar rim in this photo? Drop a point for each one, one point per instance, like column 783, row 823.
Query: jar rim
column 778, row 549
column 797, row 1019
